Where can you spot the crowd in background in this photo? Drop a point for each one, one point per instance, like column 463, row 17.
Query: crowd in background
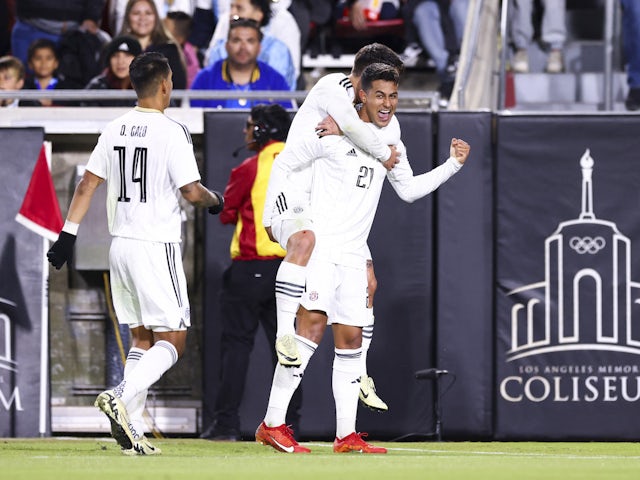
column 194, row 36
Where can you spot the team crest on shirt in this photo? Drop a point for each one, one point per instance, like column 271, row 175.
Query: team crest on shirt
column 298, row 209
column 313, row 296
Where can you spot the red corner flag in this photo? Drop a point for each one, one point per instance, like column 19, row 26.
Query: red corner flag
column 40, row 211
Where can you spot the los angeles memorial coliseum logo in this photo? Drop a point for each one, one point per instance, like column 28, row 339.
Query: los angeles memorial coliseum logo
column 587, row 302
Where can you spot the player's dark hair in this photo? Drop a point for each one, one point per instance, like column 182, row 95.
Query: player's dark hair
column 39, row 44
column 271, row 122
column 147, row 71
column 237, row 22
column 378, row 71
column 376, row 53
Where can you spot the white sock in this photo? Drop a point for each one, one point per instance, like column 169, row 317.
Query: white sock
column 367, row 336
column 345, row 382
column 136, row 407
column 290, row 282
column 157, row 360
column 285, row 382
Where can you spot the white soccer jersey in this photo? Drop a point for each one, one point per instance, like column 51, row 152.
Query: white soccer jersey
column 332, row 95
column 347, row 183
column 145, row 157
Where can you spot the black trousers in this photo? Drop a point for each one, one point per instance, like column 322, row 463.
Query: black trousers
column 247, row 299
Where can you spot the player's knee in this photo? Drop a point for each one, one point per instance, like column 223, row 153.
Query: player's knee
column 302, row 243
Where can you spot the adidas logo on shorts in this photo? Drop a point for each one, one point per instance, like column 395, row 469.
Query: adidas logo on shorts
column 352, row 153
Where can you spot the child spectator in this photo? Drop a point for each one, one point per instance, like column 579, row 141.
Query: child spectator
column 12, row 78
column 118, row 55
column 42, row 59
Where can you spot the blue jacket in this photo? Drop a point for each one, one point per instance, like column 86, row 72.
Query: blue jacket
column 273, row 52
column 216, row 77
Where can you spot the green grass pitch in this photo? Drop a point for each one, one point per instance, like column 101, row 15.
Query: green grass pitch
column 191, row 459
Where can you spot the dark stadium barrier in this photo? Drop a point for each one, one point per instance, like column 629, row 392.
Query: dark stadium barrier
column 567, row 266
column 464, row 279
column 519, row 277
column 21, row 295
column 401, row 243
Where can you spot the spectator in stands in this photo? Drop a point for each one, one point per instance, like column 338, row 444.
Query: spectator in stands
column 142, row 21
column 311, row 14
column 79, row 55
column 241, row 70
column 554, row 33
column 275, row 52
column 43, row 62
column 49, row 19
column 12, row 78
column 631, row 44
column 117, row 10
column 438, row 26
column 118, row 55
column 361, row 11
column 179, row 25
column 203, row 24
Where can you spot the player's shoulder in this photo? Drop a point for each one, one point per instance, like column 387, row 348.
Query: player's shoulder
column 180, row 128
column 333, row 81
column 393, row 133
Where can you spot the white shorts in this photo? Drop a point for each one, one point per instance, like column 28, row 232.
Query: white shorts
column 148, row 285
column 292, row 214
column 338, row 290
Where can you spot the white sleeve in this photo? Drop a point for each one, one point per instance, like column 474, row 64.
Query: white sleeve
column 98, row 160
column 411, row 188
column 181, row 161
column 359, row 133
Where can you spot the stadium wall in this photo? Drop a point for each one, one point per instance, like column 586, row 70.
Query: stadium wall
column 518, row 277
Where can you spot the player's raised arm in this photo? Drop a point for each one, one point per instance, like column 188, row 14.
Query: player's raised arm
column 410, row 187
column 459, row 150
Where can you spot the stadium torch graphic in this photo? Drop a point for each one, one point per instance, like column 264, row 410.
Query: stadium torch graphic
column 573, row 336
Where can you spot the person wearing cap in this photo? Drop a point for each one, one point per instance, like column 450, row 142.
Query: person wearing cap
column 118, row 55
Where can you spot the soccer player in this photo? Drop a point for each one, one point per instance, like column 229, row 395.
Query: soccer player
column 246, row 299
column 286, row 215
column 146, row 158
column 347, row 183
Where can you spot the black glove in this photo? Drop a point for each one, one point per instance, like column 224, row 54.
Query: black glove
column 216, row 209
column 62, row 250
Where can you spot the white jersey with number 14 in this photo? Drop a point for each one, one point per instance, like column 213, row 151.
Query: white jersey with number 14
column 145, row 157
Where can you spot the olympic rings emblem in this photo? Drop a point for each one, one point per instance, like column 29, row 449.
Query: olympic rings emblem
column 587, row 244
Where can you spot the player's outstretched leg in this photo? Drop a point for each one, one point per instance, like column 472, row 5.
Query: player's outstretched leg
column 368, row 395
column 280, row 438
column 142, row 446
column 116, row 412
column 287, row 351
